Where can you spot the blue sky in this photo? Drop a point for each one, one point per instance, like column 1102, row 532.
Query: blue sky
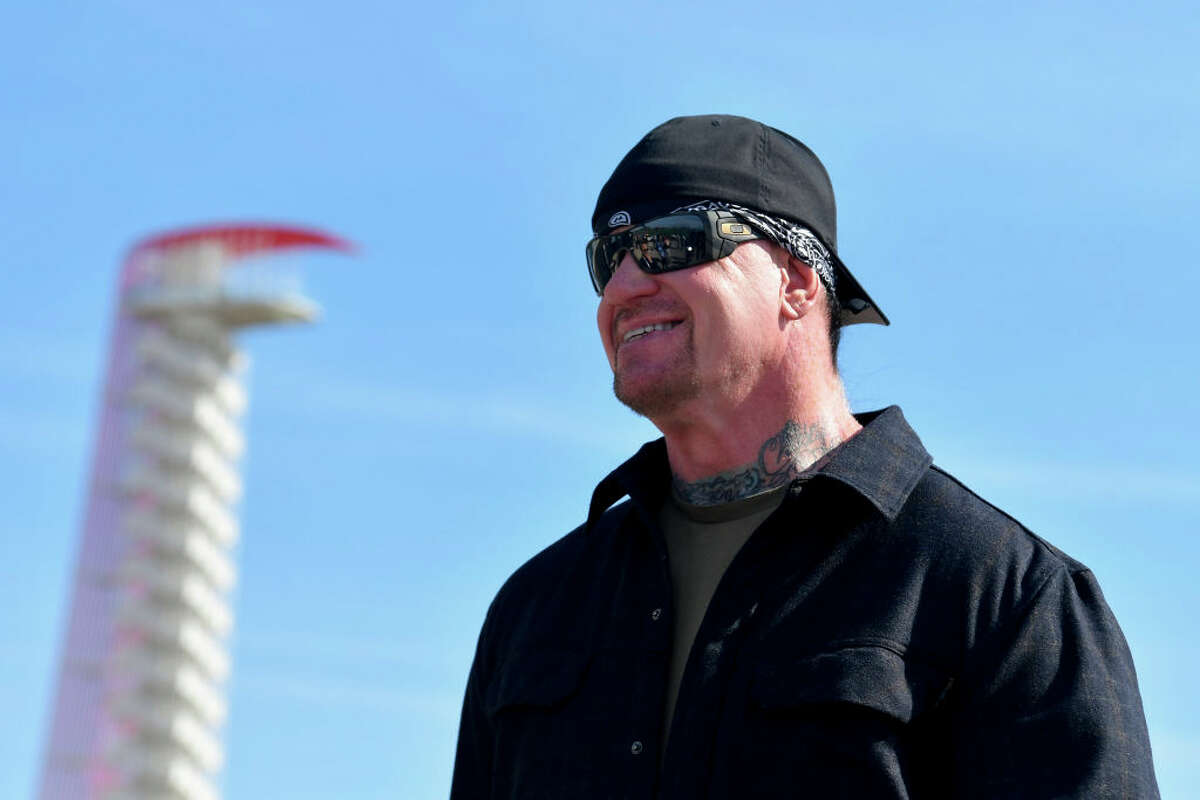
column 1016, row 187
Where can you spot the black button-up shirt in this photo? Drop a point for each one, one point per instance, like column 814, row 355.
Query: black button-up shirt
column 884, row 634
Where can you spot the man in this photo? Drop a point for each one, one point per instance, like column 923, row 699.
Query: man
column 792, row 601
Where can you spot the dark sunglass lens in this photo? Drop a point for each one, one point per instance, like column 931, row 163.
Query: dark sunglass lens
column 660, row 245
column 598, row 265
column 670, row 243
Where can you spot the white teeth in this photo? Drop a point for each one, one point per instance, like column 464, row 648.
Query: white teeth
column 642, row 331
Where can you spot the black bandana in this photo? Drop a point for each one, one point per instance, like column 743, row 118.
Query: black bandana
column 798, row 240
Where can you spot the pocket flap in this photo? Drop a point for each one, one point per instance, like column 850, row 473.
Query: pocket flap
column 538, row 678
column 871, row 677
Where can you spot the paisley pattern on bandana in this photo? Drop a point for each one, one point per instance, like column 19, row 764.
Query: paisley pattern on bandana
column 798, row 240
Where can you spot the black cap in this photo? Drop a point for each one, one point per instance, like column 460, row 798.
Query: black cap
column 735, row 160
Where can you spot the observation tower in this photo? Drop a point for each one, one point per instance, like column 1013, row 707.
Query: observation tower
column 140, row 700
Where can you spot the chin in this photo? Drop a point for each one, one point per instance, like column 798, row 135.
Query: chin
column 655, row 397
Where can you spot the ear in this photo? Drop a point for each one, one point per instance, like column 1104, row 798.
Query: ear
column 799, row 290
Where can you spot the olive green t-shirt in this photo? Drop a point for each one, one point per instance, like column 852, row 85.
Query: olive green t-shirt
column 701, row 543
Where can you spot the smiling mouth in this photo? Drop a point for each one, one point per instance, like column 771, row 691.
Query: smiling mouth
column 645, row 329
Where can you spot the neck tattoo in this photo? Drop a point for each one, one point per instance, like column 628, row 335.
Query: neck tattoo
column 780, row 461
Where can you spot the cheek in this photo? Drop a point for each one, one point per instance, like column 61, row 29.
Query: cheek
column 748, row 334
column 604, row 325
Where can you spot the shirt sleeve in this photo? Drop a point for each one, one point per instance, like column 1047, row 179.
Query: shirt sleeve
column 1050, row 708
column 473, row 757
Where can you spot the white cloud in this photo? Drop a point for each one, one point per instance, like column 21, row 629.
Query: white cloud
column 1130, row 481
column 342, row 694
column 305, row 647
column 618, row 432
column 483, row 411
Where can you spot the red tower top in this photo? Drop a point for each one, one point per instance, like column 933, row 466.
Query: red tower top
column 238, row 240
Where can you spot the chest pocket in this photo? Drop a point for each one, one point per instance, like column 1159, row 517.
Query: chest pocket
column 537, row 679
column 844, row 719
column 549, row 729
column 867, row 679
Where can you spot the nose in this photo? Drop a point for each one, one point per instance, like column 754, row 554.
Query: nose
column 629, row 281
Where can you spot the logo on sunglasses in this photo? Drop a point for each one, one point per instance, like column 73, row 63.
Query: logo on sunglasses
column 619, row 218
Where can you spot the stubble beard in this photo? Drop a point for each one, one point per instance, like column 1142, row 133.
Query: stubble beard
column 660, row 394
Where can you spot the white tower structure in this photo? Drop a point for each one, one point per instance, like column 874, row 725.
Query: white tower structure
column 141, row 701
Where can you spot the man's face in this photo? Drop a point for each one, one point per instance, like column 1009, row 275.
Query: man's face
column 706, row 333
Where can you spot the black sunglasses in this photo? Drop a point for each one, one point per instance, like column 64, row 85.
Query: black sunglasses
column 664, row 244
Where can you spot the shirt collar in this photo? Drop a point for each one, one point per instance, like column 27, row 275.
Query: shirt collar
column 883, row 463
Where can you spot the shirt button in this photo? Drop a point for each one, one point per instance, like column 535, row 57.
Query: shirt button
column 636, row 748
column 655, row 614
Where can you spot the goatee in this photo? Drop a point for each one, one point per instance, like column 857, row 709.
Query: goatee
column 658, row 397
